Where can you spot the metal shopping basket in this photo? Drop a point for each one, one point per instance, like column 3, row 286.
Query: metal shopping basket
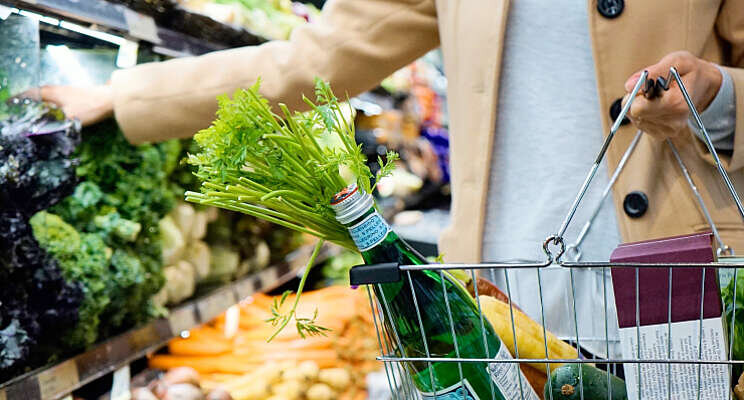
column 393, row 355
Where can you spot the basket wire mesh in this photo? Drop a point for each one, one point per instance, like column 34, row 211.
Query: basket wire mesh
column 396, row 362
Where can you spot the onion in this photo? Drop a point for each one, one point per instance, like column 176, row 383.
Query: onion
column 219, row 394
column 183, row 391
column 182, row 375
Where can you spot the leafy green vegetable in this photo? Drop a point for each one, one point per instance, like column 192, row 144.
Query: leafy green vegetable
column 83, row 259
column 274, row 167
column 282, row 168
column 734, row 314
column 37, row 303
column 124, row 194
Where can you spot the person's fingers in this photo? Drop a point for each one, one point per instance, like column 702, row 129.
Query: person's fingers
column 684, row 61
column 631, row 82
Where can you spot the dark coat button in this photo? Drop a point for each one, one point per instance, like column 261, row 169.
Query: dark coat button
column 610, row 8
column 615, row 109
column 635, row 204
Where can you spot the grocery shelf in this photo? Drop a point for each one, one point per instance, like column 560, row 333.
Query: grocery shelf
column 56, row 381
column 174, row 32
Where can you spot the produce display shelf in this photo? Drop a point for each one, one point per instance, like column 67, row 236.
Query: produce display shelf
column 59, row 380
column 118, row 19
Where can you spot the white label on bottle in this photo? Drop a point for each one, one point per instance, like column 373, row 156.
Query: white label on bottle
column 369, row 232
column 507, row 376
column 459, row 391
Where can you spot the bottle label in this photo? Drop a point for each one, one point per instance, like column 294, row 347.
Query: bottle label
column 459, row 391
column 369, row 232
column 507, row 376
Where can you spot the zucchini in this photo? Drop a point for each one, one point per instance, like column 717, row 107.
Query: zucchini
column 565, row 384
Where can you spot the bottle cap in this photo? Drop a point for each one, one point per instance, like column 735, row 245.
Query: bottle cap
column 351, row 203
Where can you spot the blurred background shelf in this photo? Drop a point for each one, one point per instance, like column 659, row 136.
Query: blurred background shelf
column 168, row 28
column 59, row 380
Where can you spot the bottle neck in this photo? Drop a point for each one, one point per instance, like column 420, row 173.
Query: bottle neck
column 372, row 235
column 355, row 209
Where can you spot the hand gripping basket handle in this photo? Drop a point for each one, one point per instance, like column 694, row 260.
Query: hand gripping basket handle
column 557, row 239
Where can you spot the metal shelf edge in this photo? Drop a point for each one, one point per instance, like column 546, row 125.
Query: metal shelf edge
column 118, row 19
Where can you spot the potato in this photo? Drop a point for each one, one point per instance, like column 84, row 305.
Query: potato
column 320, row 391
column 337, row 378
column 291, row 390
column 309, row 369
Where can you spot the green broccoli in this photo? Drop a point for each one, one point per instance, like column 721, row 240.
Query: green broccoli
column 83, row 258
column 124, row 193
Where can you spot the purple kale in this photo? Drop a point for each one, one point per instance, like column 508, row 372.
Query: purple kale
column 36, row 172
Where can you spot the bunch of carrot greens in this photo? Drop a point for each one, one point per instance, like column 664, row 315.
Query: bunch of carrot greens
column 283, row 168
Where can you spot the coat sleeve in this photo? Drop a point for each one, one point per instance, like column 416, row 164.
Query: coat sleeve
column 354, row 45
column 730, row 28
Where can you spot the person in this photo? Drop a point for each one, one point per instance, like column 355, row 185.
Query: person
column 530, row 88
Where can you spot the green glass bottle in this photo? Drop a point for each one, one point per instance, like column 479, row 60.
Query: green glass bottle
column 473, row 337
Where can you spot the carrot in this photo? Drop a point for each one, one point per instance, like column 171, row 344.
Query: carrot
column 237, row 364
column 198, row 347
column 253, row 346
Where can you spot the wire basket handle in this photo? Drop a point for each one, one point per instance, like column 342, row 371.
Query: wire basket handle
column 557, row 239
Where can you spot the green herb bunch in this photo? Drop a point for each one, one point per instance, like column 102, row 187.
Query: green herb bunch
column 282, row 168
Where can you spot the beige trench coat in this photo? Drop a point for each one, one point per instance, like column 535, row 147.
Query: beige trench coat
column 359, row 42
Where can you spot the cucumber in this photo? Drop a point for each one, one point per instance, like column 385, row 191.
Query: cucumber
column 565, row 384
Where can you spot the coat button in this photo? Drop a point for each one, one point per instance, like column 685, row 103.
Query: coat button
column 610, row 8
column 635, row 204
column 615, row 109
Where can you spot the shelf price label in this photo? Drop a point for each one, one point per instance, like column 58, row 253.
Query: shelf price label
column 141, row 26
column 58, row 380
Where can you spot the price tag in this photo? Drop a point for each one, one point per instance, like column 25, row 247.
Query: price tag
column 58, row 379
column 182, row 319
column 215, row 304
column 120, row 389
column 232, row 321
column 141, row 26
column 4, row 14
column 68, row 397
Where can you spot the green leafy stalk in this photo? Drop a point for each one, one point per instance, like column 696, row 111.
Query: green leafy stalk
column 305, row 326
column 283, row 168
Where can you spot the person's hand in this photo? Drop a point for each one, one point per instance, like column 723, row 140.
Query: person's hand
column 89, row 104
column 666, row 116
